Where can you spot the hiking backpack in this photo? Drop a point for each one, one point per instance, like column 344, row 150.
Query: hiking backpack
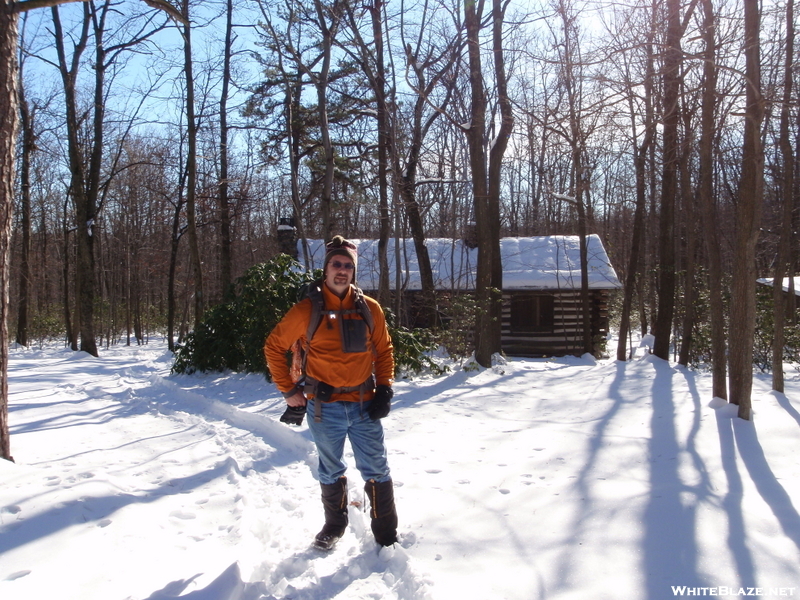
column 313, row 291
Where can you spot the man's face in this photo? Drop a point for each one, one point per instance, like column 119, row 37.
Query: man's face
column 339, row 274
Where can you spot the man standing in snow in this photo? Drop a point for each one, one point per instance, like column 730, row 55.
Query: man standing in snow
column 349, row 369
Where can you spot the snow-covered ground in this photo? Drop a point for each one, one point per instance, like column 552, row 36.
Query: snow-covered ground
column 560, row 479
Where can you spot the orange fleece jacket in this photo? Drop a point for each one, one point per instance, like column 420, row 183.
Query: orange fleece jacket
column 326, row 361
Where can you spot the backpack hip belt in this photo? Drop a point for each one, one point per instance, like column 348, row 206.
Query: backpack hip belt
column 310, row 386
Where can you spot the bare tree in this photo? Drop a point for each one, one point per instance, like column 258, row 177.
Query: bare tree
column 640, row 154
column 28, row 145
column 486, row 180
column 289, row 79
column 175, row 237
column 748, row 219
column 706, row 201
column 371, row 59
column 787, row 199
column 9, row 16
column 688, row 206
column 571, row 64
column 308, row 44
column 225, row 257
column 669, row 179
column 83, row 183
column 87, row 181
column 191, row 167
column 8, row 135
column 328, row 21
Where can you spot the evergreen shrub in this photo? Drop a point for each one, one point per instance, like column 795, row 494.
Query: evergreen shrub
column 231, row 335
column 456, row 335
column 412, row 348
column 765, row 331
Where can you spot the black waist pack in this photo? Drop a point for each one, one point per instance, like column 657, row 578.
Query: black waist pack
column 323, row 392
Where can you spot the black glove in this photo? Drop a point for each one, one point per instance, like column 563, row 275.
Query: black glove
column 293, row 415
column 381, row 403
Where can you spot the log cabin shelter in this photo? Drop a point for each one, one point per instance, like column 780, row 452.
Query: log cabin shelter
column 541, row 314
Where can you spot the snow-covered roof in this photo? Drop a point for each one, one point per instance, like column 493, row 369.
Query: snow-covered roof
column 529, row 263
column 769, row 280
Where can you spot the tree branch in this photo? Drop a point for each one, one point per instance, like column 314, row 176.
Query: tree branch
column 25, row 5
column 167, row 8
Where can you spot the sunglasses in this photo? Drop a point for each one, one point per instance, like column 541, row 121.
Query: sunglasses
column 340, row 265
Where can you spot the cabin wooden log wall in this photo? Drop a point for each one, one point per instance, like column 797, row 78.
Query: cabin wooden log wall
column 563, row 335
column 558, row 334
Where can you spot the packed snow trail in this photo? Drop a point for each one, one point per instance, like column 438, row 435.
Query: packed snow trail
column 221, row 474
column 558, row 479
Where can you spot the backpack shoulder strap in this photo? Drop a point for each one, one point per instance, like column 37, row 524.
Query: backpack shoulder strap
column 363, row 308
column 314, row 293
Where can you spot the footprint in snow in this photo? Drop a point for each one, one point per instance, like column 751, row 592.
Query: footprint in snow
column 183, row 515
column 407, row 539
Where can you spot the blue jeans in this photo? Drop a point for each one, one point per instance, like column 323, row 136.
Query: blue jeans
column 342, row 420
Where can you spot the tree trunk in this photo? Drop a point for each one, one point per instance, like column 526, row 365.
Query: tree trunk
column 225, row 258
column 173, row 267
column 409, row 197
column 321, row 83
column 486, row 184
column 496, row 153
column 485, row 346
column 666, row 239
column 408, row 184
column 688, row 214
column 787, row 198
column 633, row 282
column 72, row 333
column 706, row 201
column 27, row 147
column 293, row 92
column 634, row 263
column 191, row 172
column 385, row 149
column 8, row 135
column 83, row 189
column 586, row 299
column 748, row 218
column 579, row 174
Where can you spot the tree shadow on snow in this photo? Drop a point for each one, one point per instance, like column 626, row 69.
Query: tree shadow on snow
column 585, row 476
column 768, row 486
column 228, row 585
column 783, row 401
column 669, row 544
column 732, row 502
column 100, row 509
